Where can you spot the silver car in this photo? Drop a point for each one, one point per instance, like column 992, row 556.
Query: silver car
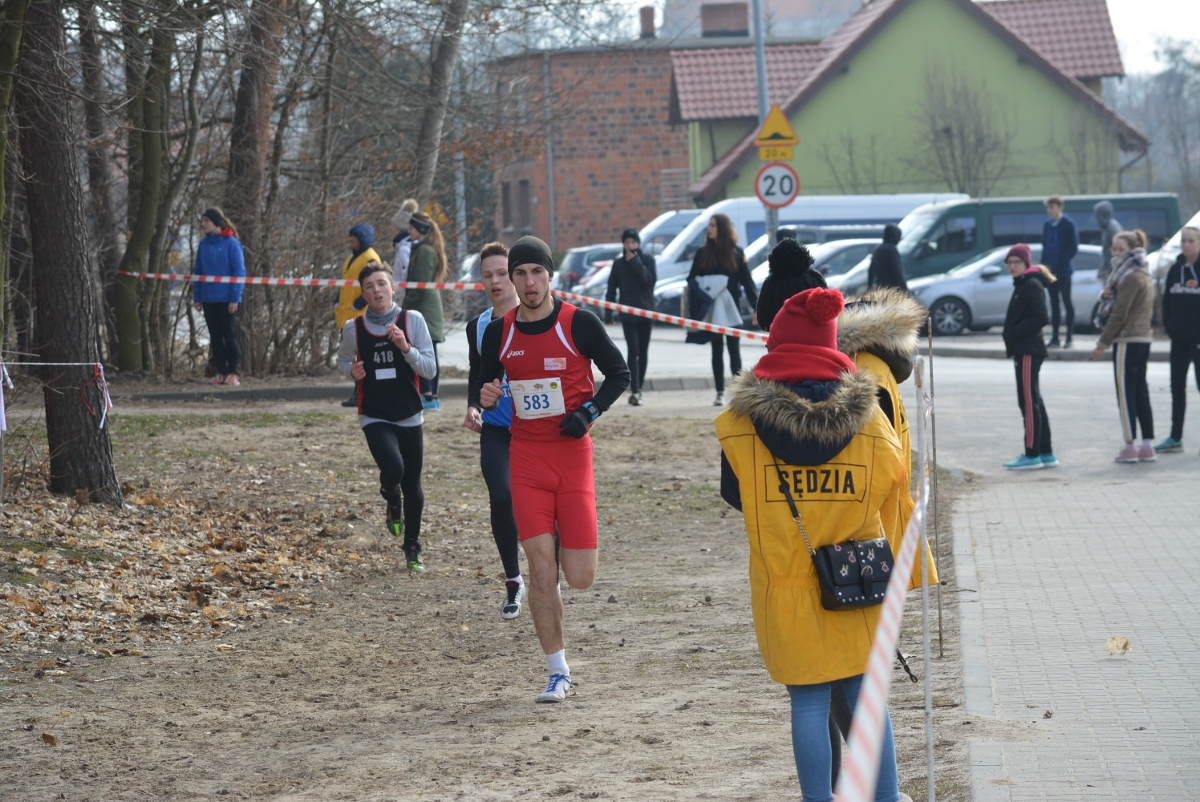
column 975, row 294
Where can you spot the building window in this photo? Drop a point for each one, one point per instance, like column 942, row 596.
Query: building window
column 506, row 206
column 524, row 210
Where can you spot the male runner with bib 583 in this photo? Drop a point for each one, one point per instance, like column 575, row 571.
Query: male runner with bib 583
column 385, row 350
column 546, row 348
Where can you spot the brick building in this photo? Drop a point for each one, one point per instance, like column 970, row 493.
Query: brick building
column 613, row 156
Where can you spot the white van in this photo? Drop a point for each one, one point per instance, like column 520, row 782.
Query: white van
column 750, row 220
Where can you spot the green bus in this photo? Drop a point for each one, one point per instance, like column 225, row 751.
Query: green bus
column 937, row 237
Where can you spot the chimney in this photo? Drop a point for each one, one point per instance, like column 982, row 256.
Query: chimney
column 724, row 19
column 647, row 13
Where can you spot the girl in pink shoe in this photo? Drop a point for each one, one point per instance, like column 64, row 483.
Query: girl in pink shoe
column 1126, row 306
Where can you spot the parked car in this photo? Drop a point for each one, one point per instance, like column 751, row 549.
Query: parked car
column 975, row 295
column 580, row 263
column 938, row 236
column 805, row 212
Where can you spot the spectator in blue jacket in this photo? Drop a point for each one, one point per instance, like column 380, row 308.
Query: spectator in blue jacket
column 220, row 254
column 1060, row 243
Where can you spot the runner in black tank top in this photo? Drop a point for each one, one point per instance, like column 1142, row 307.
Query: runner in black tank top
column 385, row 351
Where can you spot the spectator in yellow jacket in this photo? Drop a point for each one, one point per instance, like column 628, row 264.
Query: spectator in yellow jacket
column 350, row 301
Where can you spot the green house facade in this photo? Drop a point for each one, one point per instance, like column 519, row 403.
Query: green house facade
column 920, row 96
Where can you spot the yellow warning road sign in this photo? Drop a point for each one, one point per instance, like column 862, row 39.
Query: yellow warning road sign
column 776, row 131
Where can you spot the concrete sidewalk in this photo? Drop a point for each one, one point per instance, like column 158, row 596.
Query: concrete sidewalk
column 1052, row 563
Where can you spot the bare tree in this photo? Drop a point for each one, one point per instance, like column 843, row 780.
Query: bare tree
column 1085, row 160
column 856, row 167
column 80, row 451
column 443, row 60
column 964, row 136
column 12, row 26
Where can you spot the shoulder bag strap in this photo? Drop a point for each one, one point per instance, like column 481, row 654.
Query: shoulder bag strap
column 787, row 492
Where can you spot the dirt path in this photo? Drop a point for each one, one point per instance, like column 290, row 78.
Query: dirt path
column 393, row 686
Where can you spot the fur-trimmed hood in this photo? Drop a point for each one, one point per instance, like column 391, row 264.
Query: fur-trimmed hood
column 807, row 423
column 883, row 322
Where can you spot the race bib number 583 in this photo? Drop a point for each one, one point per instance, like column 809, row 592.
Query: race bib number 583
column 537, row 398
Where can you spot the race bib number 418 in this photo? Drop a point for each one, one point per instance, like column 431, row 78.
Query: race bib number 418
column 537, row 398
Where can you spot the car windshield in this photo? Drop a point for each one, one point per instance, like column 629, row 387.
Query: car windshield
column 915, row 227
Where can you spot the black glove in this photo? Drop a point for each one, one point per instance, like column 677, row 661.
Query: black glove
column 360, row 303
column 576, row 423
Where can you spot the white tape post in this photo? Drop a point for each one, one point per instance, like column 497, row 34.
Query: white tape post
column 860, row 772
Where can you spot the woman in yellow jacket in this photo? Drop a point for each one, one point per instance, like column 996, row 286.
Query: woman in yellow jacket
column 806, row 412
column 351, row 304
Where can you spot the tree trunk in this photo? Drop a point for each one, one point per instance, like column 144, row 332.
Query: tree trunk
column 441, row 80
column 100, row 170
column 12, row 25
column 80, row 451
column 250, row 133
column 150, row 97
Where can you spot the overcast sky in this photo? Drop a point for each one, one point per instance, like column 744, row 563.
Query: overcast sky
column 1140, row 23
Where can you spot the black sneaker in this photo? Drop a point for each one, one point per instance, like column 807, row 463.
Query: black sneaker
column 412, row 556
column 352, row 401
column 1054, row 343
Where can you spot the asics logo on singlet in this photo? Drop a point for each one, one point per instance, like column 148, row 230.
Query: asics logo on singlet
column 511, row 354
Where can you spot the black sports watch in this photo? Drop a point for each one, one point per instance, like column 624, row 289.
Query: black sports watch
column 592, row 410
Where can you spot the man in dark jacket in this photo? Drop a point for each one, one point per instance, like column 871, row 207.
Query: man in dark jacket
column 1109, row 228
column 1060, row 243
column 887, row 267
column 632, row 277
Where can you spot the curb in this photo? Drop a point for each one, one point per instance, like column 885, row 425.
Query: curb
column 1056, row 355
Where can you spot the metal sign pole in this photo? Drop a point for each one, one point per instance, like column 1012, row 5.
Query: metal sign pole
column 764, row 106
column 934, row 484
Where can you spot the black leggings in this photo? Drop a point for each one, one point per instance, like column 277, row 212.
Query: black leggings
column 220, row 322
column 637, row 342
column 1061, row 289
column 429, row 387
column 1033, row 409
column 1182, row 355
column 1133, row 395
column 493, row 459
column 718, row 364
column 399, row 452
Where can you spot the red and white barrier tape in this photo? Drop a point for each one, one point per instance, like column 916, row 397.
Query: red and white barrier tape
column 697, row 325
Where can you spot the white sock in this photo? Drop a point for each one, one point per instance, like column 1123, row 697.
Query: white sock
column 557, row 662
column 517, row 579
column 1147, row 443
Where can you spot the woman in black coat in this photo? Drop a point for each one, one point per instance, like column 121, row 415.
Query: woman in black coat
column 1181, row 318
column 1023, row 323
column 722, row 256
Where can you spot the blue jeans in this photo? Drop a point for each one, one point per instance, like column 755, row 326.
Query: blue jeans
column 811, row 740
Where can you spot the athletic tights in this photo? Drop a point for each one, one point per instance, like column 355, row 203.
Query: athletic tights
column 493, row 459
column 1133, row 396
column 1033, row 409
column 221, row 322
column 399, row 452
column 718, row 363
column 1182, row 355
column 1061, row 289
column 637, row 341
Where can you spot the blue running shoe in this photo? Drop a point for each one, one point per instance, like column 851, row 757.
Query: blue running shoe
column 1049, row 460
column 431, row 404
column 1169, row 446
column 1024, row 463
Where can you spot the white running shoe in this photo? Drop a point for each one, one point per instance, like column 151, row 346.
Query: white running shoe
column 720, row 400
column 512, row 602
column 558, row 689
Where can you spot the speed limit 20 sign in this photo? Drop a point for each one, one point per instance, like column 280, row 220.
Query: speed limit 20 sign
column 776, row 184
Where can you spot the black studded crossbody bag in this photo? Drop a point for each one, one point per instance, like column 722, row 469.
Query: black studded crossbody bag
column 854, row 573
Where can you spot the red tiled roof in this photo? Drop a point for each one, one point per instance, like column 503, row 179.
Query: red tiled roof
column 857, row 31
column 1074, row 35
column 720, row 82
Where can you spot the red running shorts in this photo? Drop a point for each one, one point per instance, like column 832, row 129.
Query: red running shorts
column 553, row 483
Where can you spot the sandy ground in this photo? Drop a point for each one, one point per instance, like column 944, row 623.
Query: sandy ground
column 396, row 686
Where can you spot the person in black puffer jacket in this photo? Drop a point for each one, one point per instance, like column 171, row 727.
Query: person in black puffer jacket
column 1023, row 323
column 887, row 266
column 633, row 276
